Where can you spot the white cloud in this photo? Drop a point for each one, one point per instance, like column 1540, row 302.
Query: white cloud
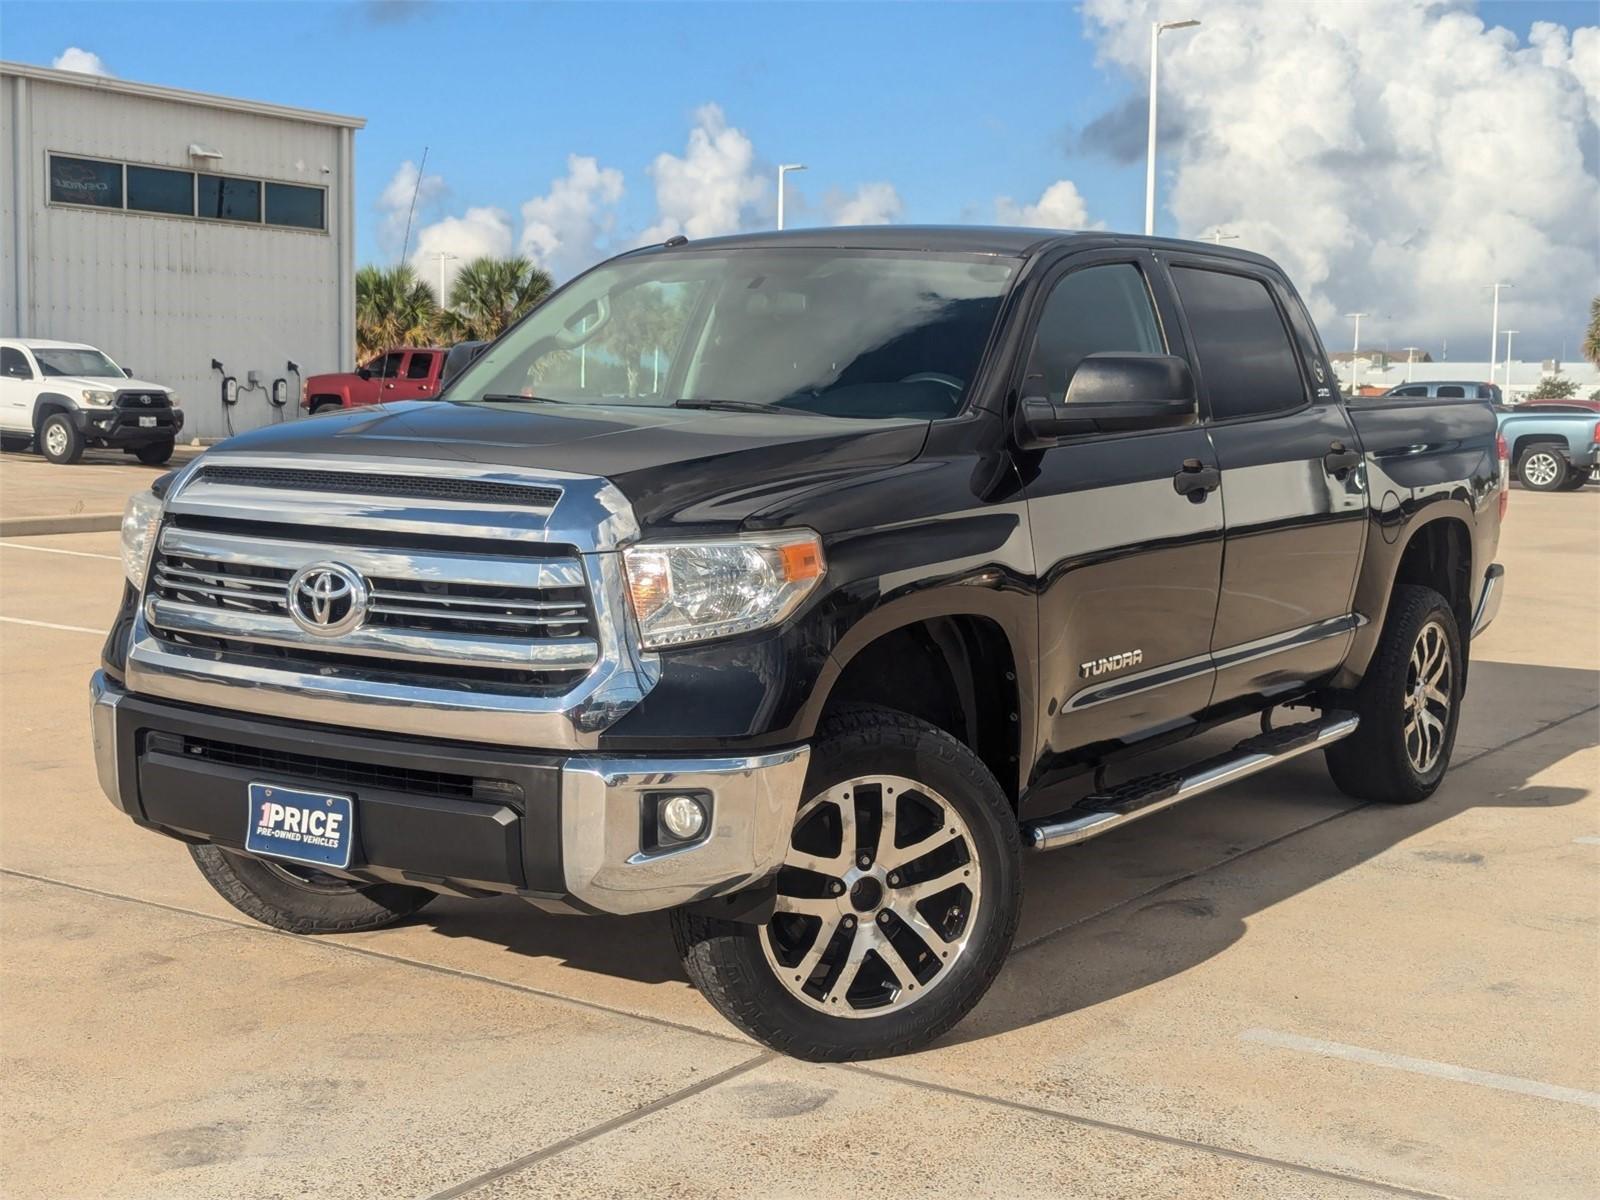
column 477, row 232
column 869, row 204
column 394, row 205
column 1392, row 165
column 562, row 230
column 1060, row 207
column 84, row 62
column 712, row 188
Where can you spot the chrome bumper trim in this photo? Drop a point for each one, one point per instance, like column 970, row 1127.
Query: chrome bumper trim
column 104, row 696
column 753, row 805
column 1489, row 601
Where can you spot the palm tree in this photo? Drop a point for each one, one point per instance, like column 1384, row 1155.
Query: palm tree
column 393, row 308
column 1591, row 340
column 489, row 294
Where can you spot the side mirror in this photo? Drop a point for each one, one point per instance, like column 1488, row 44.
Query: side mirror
column 364, row 373
column 127, row 372
column 1111, row 393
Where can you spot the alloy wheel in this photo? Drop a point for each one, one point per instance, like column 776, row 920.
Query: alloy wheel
column 1541, row 469
column 877, row 898
column 1427, row 699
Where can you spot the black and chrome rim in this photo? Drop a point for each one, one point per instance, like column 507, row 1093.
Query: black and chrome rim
column 1541, row 469
column 1427, row 702
column 877, row 898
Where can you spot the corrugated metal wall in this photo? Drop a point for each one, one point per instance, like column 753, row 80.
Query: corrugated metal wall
column 166, row 295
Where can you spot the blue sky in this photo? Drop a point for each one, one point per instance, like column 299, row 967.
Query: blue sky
column 952, row 104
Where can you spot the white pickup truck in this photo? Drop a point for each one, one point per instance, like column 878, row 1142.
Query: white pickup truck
column 64, row 396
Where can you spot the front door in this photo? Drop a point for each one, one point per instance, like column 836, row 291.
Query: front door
column 1293, row 482
column 378, row 385
column 1128, row 565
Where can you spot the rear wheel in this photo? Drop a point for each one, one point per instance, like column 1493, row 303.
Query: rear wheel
column 1409, row 704
column 303, row 899
column 1541, row 468
column 325, row 404
column 155, row 453
column 896, row 904
column 59, row 439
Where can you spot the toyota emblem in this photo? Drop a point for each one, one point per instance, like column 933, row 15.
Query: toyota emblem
column 327, row 599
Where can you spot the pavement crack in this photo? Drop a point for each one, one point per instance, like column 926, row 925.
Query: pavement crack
column 605, row 1127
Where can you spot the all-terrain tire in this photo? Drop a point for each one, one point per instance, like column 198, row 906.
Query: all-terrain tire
column 1576, row 478
column 1376, row 762
column 1541, row 469
column 726, row 960
column 154, row 454
column 271, row 895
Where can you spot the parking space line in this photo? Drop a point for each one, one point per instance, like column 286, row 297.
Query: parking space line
column 53, row 625
column 1590, row 839
column 605, row 1127
column 1423, row 1066
column 10, row 545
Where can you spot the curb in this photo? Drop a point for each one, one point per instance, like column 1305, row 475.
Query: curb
column 76, row 523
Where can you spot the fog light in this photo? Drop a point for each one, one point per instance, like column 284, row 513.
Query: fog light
column 683, row 817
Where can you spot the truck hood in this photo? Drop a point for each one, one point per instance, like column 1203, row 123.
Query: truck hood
column 71, row 384
column 682, row 469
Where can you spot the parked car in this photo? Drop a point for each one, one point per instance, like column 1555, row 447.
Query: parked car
column 1448, row 389
column 814, row 560
column 457, row 358
column 404, row 373
column 64, row 396
column 1554, row 444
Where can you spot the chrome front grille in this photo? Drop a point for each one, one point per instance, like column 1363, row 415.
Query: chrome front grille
column 426, row 613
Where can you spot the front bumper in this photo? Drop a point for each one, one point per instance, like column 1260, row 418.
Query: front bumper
column 571, row 832
column 120, row 426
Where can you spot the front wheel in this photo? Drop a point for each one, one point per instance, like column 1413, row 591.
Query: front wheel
column 302, row 899
column 1542, row 469
column 154, row 454
column 59, row 439
column 896, row 904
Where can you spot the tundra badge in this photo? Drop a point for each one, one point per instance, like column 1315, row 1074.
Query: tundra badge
column 1104, row 666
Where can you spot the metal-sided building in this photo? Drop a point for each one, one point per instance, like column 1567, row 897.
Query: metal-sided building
column 172, row 228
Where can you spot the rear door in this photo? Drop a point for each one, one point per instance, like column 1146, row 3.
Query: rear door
column 17, row 388
column 1128, row 565
column 1293, row 479
column 415, row 381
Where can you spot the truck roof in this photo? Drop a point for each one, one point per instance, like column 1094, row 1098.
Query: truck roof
column 46, row 344
column 958, row 239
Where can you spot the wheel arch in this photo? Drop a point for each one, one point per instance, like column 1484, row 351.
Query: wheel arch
column 47, row 403
column 1528, row 440
column 956, row 670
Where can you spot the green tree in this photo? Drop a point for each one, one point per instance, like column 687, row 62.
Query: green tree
column 1554, row 387
column 643, row 322
column 393, row 308
column 489, row 294
column 1591, row 339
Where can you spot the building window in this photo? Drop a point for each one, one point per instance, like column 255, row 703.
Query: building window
column 301, row 207
column 226, row 199
column 85, row 181
column 152, row 189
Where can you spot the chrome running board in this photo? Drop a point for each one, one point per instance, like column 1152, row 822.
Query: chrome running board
column 1104, row 811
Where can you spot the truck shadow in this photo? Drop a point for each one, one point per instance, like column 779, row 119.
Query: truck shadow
column 1160, row 896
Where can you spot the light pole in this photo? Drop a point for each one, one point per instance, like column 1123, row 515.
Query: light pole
column 1216, row 237
column 443, row 256
column 1494, row 328
column 1411, row 360
column 784, row 169
column 1157, row 28
column 1510, row 333
column 1355, row 352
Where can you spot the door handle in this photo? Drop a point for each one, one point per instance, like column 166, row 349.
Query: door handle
column 1195, row 480
column 1339, row 461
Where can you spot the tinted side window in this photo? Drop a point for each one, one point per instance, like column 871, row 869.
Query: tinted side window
column 13, row 364
column 85, row 181
column 1418, row 390
column 420, row 366
column 1451, row 392
column 151, row 189
column 1240, row 340
column 1097, row 309
column 386, row 366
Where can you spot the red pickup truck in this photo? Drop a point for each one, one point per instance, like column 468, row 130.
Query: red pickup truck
column 404, row 373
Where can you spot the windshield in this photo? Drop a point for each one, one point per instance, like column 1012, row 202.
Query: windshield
column 87, row 364
column 844, row 333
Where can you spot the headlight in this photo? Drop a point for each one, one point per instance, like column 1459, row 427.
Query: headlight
column 98, row 399
column 692, row 591
column 140, row 520
column 172, row 399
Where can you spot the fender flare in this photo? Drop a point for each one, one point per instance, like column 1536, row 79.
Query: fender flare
column 50, row 402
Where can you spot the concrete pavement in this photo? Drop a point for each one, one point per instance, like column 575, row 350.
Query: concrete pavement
column 1271, row 991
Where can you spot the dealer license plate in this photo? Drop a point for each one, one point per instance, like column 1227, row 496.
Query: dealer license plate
column 305, row 827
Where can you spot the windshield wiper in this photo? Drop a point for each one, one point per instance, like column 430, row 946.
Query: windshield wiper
column 513, row 398
column 732, row 406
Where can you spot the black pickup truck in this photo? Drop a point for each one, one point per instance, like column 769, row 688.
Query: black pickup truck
column 765, row 579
